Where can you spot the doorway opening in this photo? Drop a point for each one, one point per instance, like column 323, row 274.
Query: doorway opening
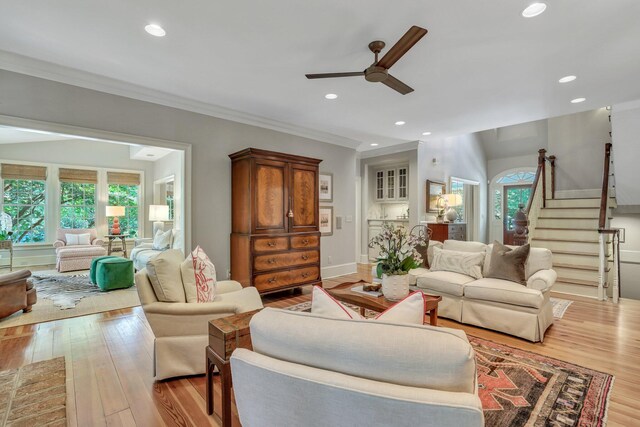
column 508, row 190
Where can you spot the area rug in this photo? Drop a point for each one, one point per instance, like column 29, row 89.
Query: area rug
column 521, row 388
column 34, row 395
column 560, row 306
column 62, row 296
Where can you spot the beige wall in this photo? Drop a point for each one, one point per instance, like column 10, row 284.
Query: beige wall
column 212, row 140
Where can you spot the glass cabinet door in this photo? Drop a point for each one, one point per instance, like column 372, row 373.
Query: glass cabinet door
column 403, row 193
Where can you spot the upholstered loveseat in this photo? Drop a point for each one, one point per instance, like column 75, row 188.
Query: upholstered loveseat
column 501, row 305
column 143, row 250
column 77, row 256
column 310, row 370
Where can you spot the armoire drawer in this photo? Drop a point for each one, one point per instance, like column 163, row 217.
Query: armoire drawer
column 280, row 279
column 270, row 244
column 289, row 259
column 302, row 242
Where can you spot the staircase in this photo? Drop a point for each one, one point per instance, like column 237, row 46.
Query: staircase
column 569, row 228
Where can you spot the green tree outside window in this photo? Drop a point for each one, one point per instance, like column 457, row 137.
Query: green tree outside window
column 77, row 205
column 24, row 201
column 129, row 197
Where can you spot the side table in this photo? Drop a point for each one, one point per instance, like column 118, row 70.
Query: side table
column 8, row 245
column 123, row 243
column 225, row 335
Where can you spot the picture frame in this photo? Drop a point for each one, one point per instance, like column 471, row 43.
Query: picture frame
column 325, row 187
column 434, row 189
column 326, row 220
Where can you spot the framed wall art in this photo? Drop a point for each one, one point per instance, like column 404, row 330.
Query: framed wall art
column 326, row 220
column 434, row 189
column 325, row 190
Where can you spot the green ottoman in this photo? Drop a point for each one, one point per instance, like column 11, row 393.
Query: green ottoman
column 114, row 273
column 94, row 267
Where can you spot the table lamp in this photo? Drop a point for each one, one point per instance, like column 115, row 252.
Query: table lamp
column 158, row 214
column 115, row 212
column 452, row 200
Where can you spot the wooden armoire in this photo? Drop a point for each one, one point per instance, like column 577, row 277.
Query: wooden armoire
column 275, row 238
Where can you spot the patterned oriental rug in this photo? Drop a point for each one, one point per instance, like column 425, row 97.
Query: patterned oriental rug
column 521, row 388
column 34, row 395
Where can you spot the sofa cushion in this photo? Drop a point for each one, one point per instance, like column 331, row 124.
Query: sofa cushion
column 445, row 282
column 467, row 263
column 165, row 276
column 80, row 251
column 508, row 263
column 462, row 246
column 504, row 291
column 379, row 351
column 539, row 259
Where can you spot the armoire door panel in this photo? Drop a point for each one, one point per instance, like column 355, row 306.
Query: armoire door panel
column 304, row 198
column 270, row 197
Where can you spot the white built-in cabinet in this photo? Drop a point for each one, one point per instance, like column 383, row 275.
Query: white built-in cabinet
column 392, row 184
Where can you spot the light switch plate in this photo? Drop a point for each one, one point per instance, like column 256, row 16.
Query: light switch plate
column 349, row 218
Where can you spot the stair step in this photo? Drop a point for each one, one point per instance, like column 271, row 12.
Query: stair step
column 573, row 289
column 577, row 282
column 573, row 203
column 573, row 274
column 591, row 213
column 566, row 245
column 549, row 239
column 579, row 253
column 576, row 266
column 578, row 223
column 573, row 234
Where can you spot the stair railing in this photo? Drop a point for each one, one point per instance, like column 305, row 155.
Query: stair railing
column 605, row 232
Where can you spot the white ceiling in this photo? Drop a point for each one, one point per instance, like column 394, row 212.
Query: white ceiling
column 481, row 66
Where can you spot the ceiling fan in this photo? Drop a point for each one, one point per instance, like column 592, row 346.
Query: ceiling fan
column 379, row 70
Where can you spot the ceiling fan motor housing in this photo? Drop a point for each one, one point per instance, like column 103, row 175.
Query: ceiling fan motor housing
column 375, row 74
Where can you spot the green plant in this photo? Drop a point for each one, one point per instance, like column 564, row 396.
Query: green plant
column 397, row 248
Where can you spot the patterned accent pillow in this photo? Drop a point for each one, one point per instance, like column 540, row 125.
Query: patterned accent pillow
column 198, row 277
column 467, row 263
column 408, row 311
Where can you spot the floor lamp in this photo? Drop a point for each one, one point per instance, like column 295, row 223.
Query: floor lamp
column 158, row 214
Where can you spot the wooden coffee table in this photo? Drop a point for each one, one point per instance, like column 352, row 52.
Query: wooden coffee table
column 344, row 293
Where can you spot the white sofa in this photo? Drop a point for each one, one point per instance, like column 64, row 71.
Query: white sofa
column 308, row 370
column 143, row 250
column 501, row 305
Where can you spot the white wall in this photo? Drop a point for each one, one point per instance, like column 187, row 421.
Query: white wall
column 578, row 141
column 497, row 166
column 629, row 253
column 625, row 123
column 212, row 140
column 462, row 157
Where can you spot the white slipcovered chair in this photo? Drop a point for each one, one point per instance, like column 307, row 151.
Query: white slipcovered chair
column 77, row 257
column 308, row 370
column 181, row 328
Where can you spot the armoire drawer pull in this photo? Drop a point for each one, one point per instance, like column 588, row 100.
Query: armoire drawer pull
column 305, row 274
column 305, row 242
column 272, row 261
column 305, row 257
column 272, row 280
column 271, row 244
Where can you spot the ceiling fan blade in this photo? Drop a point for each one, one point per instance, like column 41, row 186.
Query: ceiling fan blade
column 330, row 75
column 397, row 85
column 403, row 45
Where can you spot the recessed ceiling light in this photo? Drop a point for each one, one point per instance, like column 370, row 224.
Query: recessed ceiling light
column 426, row 133
column 374, row 145
column 567, row 79
column 400, row 123
column 534, row 9
column 155, row 30
column 331, row 96
column 578, row 100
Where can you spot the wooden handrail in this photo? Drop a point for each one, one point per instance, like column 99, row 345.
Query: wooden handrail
column 552, row 162
column 539, row 171
column 602, row 222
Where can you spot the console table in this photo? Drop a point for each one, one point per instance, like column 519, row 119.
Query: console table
column 123, row 243
column 225, row 335
column 8, row 245
column 448, row 231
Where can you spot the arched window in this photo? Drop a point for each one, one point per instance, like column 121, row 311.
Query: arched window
column 517, row 178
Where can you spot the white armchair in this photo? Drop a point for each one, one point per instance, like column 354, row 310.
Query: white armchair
column 181, row 329
column 308, row 370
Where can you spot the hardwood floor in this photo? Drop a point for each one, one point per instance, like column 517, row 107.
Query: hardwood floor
column 109, row 360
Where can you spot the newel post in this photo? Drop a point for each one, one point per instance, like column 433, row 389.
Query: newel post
column 542, row 155
column 521, row 232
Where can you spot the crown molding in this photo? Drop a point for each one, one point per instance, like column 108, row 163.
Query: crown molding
column 46, row 70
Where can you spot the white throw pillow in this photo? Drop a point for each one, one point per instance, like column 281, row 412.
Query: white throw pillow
column 467, row 263
column 72, row 239
column 162, row 240
column 409, row 310
column 84, row 239
column 198, row 277
column 165, row 277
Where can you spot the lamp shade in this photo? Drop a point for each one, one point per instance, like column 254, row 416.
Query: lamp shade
column 452, row 199
column 115, row 211
column 158, row 213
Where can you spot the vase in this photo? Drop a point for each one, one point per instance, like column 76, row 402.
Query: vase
column 395, row 287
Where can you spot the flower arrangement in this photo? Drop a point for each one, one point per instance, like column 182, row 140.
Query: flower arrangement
column 398, row 252
column 5, row 226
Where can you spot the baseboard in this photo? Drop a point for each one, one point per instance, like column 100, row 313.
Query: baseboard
column 339, row 270
column 27, row 261
column 578, row 194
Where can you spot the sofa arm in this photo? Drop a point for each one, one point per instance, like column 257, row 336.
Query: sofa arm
column 226, row 286
column 97, row 242
column 189, row 309
column 542, row 280
column 59, row 244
